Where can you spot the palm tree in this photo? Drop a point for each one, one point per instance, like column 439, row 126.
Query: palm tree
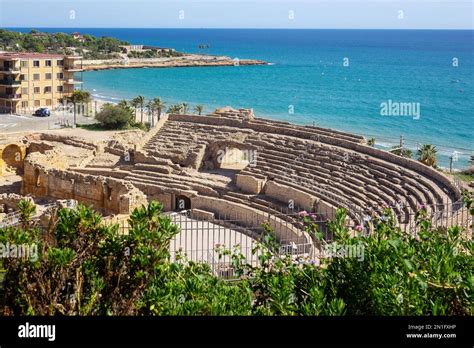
column 78, row 97
column 427, row 154
column 184, row 108
column 371, row 142
column 198, row 109
column 175, row 109
column 123, row 104
column 158, row 105
column 139, row 102
column 151, row 110
column 134, row 103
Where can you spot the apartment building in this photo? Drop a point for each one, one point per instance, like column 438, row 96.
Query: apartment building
column 29, row 81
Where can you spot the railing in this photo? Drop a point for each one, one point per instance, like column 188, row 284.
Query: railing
column 10, row 69
column 202, row 238
column 10, row 82
column 10, row 96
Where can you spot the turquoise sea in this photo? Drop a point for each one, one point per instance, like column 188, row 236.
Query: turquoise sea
column 307, row 75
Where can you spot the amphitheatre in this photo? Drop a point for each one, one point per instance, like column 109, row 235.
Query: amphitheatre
column 228, row 165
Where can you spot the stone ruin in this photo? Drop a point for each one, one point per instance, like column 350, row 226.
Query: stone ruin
column 230, row 163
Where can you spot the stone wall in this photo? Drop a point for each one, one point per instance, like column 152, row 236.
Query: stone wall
column 250, row 217
column 107, row 195
column 249, row 184
column 283, row 193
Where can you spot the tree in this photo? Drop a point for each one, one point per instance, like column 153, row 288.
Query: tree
column 426, row 154
column 115, row 117
column 26, row 209
column 158, row 105
column 406, row 152
column 184, row 108
column 175, row 109
column 139, row 102
column 198, row 109
column 78, row 97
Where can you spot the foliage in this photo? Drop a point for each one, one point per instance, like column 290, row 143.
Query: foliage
column 427, row 154
column 90, row 47
column 115, row 117
column 371, row 142
column 198, row 109
column 87, row 268
column 406, row 152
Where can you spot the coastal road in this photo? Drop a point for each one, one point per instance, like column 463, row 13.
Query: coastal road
column 23, row 123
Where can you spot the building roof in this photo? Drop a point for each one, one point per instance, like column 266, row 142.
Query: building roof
column 28, row 55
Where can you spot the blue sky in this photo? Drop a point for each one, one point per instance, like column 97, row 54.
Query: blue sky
column 350, row 14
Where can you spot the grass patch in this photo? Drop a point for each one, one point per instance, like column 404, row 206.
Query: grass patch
column 464, row 176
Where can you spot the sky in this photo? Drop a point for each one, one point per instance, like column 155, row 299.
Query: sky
column 297, row 14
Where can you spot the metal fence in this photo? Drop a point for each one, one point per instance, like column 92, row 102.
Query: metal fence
column 204, row 235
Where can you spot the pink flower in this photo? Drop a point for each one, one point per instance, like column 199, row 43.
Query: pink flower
column 359, row 228
column 303, row 213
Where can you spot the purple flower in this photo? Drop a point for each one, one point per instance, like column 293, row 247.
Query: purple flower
column 303, row 213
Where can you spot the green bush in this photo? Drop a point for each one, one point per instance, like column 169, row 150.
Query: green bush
column 87, row 268
column 115, row 117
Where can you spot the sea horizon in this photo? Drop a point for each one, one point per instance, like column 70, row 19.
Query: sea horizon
column 307, row 81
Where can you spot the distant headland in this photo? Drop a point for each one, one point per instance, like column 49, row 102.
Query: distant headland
column 100, row 53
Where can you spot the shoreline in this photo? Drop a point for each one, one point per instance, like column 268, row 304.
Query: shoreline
column 384, row 143
column 172, row 62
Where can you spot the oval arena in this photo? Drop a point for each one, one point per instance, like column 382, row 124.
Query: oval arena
column 235, row 171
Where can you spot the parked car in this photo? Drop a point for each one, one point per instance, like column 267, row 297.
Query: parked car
column 42, row 112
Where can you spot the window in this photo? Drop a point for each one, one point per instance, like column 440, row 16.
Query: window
column 24, row 64
column 60, row 88
column 37, row 90
column 24, row 104
column 36, row 63
column 47, row 89
column 60, row 62
column 49, row 102
column 24, row 90
column 23, row 77
column 37, row 102
column 47, row 63
column 60, row 76
column 48, row 76
column 36, row 77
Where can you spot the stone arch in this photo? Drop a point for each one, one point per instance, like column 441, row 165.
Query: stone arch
column 229, row 155
column 12, row 156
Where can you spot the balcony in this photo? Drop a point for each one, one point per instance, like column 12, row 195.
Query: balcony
column 10, row 69
column 72, row 82
column 10, row 96
column 73, row 68
column 10, row 82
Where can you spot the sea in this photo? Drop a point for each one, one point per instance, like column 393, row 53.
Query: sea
column 383, row 84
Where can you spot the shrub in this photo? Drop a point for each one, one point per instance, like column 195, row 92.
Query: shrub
column 115, row 117
column 87, row 268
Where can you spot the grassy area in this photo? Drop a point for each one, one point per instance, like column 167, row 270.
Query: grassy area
column 464, row 176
